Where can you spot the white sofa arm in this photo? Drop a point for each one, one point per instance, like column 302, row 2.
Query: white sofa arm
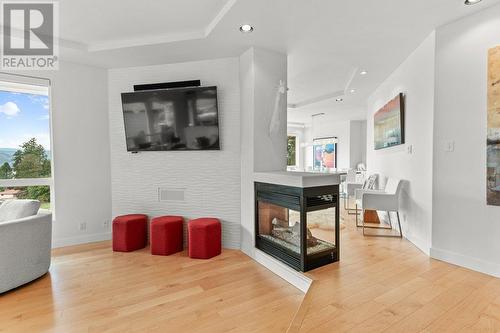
column 380, row 201
column 359, row 193
column 25, row 248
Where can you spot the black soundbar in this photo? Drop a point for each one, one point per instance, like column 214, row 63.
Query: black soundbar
column 167, row 85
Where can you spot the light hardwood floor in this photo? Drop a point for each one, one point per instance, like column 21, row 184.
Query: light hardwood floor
column 388, row 285
column 91, row 289
column 380, row 285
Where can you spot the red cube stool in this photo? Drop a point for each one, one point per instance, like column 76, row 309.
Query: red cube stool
column 204, row 236
column 166, row 235
column 130, row 232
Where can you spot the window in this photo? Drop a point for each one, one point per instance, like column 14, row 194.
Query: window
column 25, row 139
column 292, row 146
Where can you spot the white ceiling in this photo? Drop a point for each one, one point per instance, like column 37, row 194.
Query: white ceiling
column 327, row 41
column 117, row 23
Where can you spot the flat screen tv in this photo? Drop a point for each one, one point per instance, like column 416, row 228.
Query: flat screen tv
column 389, row 124
column 171, row 119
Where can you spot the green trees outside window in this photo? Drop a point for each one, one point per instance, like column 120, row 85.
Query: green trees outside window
column 291, row 150
column 30, row 161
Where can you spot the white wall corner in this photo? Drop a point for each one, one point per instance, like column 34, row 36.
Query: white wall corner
column 420, row 243
column 247, row 93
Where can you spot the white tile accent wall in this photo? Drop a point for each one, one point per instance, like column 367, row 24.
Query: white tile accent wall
column 211, row 179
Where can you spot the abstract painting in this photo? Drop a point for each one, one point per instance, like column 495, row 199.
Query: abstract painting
column 493, row 139
column 325, row 153
column 389, row 124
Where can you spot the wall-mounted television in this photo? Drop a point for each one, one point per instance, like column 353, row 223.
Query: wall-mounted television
column 171, row 119
column 389, row 124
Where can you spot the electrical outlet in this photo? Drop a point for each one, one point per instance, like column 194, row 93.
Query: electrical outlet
column 82, row 226
column 106, row 224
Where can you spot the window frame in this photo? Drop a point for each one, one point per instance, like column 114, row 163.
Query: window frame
column 18, row 84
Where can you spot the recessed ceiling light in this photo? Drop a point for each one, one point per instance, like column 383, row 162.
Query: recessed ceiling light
column 246, row 28
column 339, row 99
column 363, row 72
column 353, row 91
column 472, row 2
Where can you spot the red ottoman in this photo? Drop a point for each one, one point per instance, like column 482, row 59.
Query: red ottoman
column 166, row 235
column 204, row 238
column 130, row 232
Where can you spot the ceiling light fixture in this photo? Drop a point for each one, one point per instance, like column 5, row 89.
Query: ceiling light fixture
column 318, row 114
column 246, row 28
column 363, row 72
column 472, row 2
column 339, row 99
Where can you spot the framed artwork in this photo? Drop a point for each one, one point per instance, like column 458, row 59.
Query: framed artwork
column 388, row 124
column 493, row 133
column 325, row 153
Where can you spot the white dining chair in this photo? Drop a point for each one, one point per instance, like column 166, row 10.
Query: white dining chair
column 380, row 200
column 350, row 185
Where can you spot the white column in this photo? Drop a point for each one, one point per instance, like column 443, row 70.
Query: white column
column 263, row 127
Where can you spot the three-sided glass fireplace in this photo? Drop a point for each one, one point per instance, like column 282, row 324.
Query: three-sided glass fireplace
column 299, row 226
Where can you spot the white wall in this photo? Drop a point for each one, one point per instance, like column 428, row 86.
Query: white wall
column 351, row 135
column 81, row 153
column 357, row 142
column 260, row 75
column 211, row 179
column 465, row 230
column 415, row 78
column 322, row 127
column 269, row 145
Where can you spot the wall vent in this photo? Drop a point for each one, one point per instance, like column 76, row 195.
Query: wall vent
column 171, row 194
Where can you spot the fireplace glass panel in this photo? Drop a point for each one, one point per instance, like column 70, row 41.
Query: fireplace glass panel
column 320, row 231
column 280, row 225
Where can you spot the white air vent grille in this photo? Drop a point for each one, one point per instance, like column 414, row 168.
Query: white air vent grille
column 171, row 194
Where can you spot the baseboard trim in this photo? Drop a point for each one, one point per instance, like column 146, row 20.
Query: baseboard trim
column 230, row 245
column 296, row 279
column 474, row 264
column 83, row 239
